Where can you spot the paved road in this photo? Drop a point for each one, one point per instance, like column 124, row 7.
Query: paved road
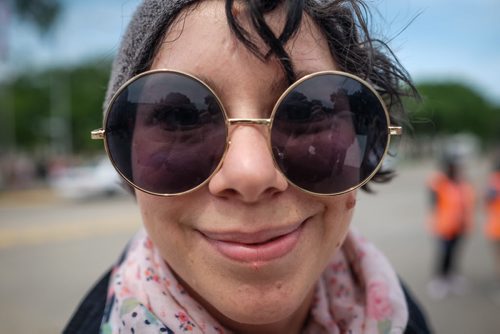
column 52, row 250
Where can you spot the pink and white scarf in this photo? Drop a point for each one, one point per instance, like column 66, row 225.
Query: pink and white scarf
column 358, row 292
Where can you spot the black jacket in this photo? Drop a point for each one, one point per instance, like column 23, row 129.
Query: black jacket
column 87, row 318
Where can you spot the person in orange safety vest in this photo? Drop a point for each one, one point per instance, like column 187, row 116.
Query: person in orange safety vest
column 492, row 226
column 451, row 217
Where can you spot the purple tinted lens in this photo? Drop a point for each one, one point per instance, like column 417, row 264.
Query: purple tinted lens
column 166, row 133
column 329, row 134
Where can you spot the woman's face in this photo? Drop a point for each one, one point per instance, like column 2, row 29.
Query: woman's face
column 249, row 246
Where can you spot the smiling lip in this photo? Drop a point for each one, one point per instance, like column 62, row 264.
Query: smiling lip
column 255, row 247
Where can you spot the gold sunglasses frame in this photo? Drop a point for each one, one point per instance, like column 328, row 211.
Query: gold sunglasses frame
column 100, row 134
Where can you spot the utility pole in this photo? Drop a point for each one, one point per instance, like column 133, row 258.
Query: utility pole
column 60, row 116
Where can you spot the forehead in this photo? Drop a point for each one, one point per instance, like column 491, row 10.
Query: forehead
column 200, row 40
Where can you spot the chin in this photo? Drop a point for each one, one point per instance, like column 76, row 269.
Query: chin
column 263, row 306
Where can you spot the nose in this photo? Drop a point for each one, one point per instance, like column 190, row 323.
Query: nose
column 248, row 172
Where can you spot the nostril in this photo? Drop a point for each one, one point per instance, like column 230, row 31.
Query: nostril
column 227, row 193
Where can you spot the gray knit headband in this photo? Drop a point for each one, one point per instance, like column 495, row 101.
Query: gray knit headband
column 148, row 24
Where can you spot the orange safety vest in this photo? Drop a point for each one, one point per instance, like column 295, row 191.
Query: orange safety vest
column 492, row 227
column 453, row 212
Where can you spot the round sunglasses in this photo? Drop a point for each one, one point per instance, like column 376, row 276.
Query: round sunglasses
column 166, row 132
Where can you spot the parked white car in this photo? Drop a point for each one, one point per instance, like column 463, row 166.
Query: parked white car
column 97, row 179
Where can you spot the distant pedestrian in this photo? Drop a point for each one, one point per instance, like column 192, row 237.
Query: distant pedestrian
column 492, row 227
column 451, row 217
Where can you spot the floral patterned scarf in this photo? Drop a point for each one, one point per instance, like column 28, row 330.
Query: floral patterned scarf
column 358, row 292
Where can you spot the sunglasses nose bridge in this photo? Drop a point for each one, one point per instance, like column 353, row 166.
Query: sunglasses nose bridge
column 250, row 121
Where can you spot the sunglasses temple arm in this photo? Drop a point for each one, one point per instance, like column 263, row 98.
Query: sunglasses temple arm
column 395, row 130
column 97, row 134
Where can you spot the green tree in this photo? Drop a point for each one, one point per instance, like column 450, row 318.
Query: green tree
column 35, row 97
column 452, row 107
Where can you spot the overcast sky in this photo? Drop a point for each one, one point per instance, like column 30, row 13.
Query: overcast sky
column 445, row 39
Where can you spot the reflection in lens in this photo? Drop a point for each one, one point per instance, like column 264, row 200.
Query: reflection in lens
column 329, row 134
column 166, row 132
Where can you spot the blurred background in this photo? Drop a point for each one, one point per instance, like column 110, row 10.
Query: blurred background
column 64, row 219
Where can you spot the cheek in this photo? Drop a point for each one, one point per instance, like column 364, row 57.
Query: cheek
column 161, row 217
column 338, row 216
